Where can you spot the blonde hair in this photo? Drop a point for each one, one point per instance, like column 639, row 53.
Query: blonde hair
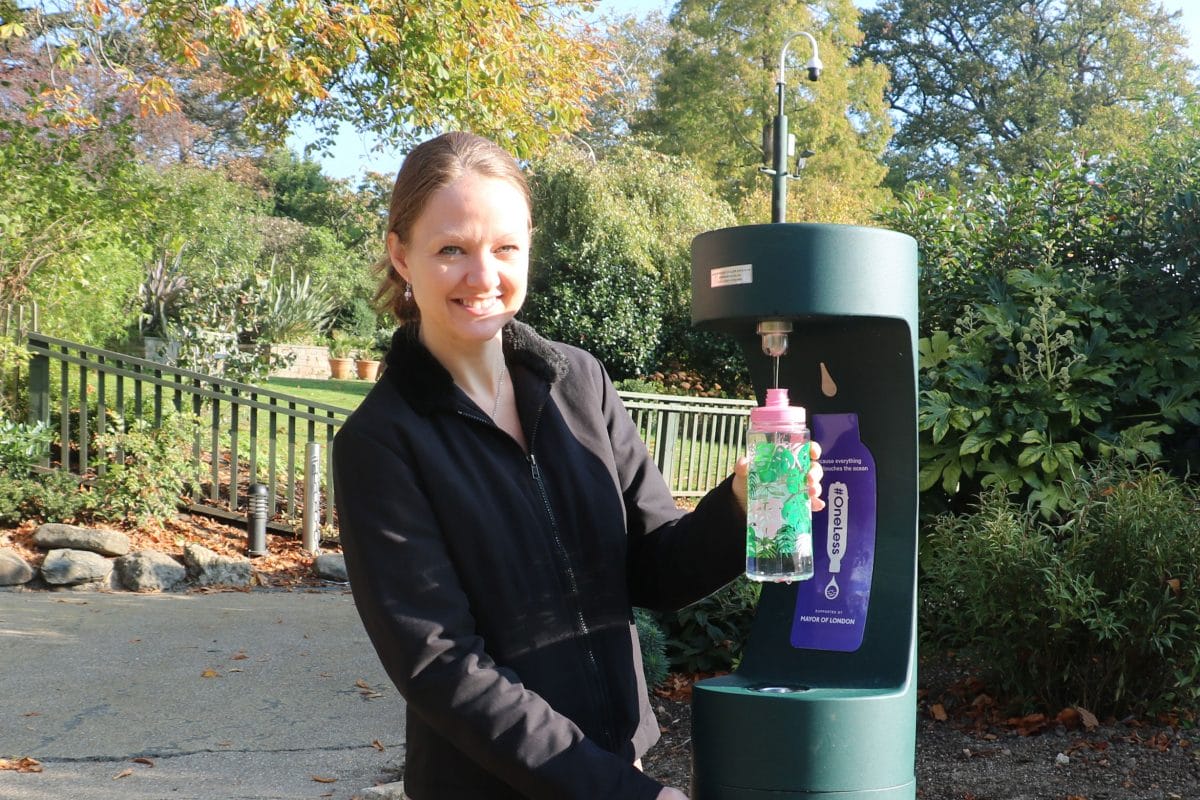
column 430, row 166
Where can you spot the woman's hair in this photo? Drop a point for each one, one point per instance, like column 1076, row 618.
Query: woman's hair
column 430, row 166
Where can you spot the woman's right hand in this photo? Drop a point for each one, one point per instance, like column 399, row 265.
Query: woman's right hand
column 671, row 793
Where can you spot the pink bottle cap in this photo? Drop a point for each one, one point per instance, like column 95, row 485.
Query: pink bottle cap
column 776, row 412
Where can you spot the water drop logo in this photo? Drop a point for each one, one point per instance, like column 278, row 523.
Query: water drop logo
column 836, row 534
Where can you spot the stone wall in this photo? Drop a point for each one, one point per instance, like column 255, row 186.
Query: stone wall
column 311, row 361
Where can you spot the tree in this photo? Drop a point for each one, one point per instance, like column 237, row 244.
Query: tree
column 991, row 86
column 634, row 51
column 717, row 91
column 611, row 261
column 519, row 72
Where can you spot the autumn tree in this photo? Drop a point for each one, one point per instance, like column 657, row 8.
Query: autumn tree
column 634, row 51
column 716, row 92
column 991, row 86
column 518, row 72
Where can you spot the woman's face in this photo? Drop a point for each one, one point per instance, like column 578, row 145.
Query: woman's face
column 467, row 260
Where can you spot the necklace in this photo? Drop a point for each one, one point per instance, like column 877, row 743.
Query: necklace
column 499, row 385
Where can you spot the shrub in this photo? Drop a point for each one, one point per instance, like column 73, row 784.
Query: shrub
column 21, row 445
column 654, row 648
column 1058, row 326
column 708, row 636
column 296, row 309
column 147, row 482
column 1101, row 609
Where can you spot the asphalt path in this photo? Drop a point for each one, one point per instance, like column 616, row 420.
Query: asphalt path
column 193, row 696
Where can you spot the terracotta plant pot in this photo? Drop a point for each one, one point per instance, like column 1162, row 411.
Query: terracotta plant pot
column 368, row 369
column 341, row 369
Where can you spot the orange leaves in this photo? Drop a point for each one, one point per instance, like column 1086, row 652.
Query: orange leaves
column 210, row 673
column 366, row 690
column 155, row 96
column 24, row 764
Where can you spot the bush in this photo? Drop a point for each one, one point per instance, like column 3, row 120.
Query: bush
column 22, row 446
column 1100, row 610
column 654, row 648
column 148, row 482
column 1058, row 326
column 708, row 636
column 54, row 496
column 610, row 265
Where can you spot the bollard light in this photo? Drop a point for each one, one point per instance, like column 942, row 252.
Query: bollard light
column 256, row 519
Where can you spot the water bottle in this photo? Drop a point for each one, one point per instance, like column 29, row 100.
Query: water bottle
column 779, row 519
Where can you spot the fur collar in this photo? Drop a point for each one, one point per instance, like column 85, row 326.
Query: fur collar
column 427, row 385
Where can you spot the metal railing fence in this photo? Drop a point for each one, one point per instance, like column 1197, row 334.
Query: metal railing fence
column 251, row 435
column 255, row 435
column 694, row 440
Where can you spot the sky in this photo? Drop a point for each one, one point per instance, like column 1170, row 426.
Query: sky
column 351, row 154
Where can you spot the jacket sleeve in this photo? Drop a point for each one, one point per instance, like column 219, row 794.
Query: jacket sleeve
column 674, row 558
column 419, row 619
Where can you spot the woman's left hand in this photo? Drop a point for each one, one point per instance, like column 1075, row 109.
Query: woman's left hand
column 741, row 474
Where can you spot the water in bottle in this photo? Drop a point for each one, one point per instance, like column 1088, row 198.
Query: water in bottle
column 779, row 519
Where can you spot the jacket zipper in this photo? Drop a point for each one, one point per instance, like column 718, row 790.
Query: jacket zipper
column 573, row 586
column 572, row 583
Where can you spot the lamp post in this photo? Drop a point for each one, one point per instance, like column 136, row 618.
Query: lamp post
column 780, row 140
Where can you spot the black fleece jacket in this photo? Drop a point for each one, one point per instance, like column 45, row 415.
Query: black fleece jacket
column 497, row 585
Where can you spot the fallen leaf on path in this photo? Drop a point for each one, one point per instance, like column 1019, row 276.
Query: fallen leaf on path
column 323, row 779
column 149, row 762
column 210, row 673
column 938, row 712
column 125, row 773
column 378, row 745
column 24, row 764
column 240, row 655
column 1089, row 719
column 32, row 714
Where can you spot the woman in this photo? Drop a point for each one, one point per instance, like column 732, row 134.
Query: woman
column 500, row 516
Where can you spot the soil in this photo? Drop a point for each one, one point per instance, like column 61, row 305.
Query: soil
column 967, row 749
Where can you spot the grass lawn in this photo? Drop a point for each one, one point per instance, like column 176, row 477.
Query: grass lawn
column 344, row 394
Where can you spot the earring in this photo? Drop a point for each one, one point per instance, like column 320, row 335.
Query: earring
column 408, row 292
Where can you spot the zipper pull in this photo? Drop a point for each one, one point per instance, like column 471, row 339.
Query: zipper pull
column 537, row 476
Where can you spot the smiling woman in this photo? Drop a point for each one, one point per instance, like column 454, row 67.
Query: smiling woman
column 500, row 515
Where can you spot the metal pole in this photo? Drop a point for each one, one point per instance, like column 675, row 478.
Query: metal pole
column 312, row 496
column 779, row 179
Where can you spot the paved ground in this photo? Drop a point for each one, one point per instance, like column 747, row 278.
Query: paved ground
column 224, row 695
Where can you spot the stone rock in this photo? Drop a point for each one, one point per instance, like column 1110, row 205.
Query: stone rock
column 150, row 571
column 331, row 567
column 207, row 568
column 53, row 535
column 14, row 570
column 68, row 567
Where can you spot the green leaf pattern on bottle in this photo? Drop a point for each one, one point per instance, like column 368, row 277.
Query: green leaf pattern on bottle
column 779, row 468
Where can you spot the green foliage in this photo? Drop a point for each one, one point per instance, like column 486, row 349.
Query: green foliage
column 54, row 496
column 1100, row 610
column 22, row 446
column 611, row 265
column 63, row 243
column 995, row 87
column 149, row 479
column 357, row 318
column 654, row 648
column 1059, row 326
column 296, row 310
column 708, row 636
